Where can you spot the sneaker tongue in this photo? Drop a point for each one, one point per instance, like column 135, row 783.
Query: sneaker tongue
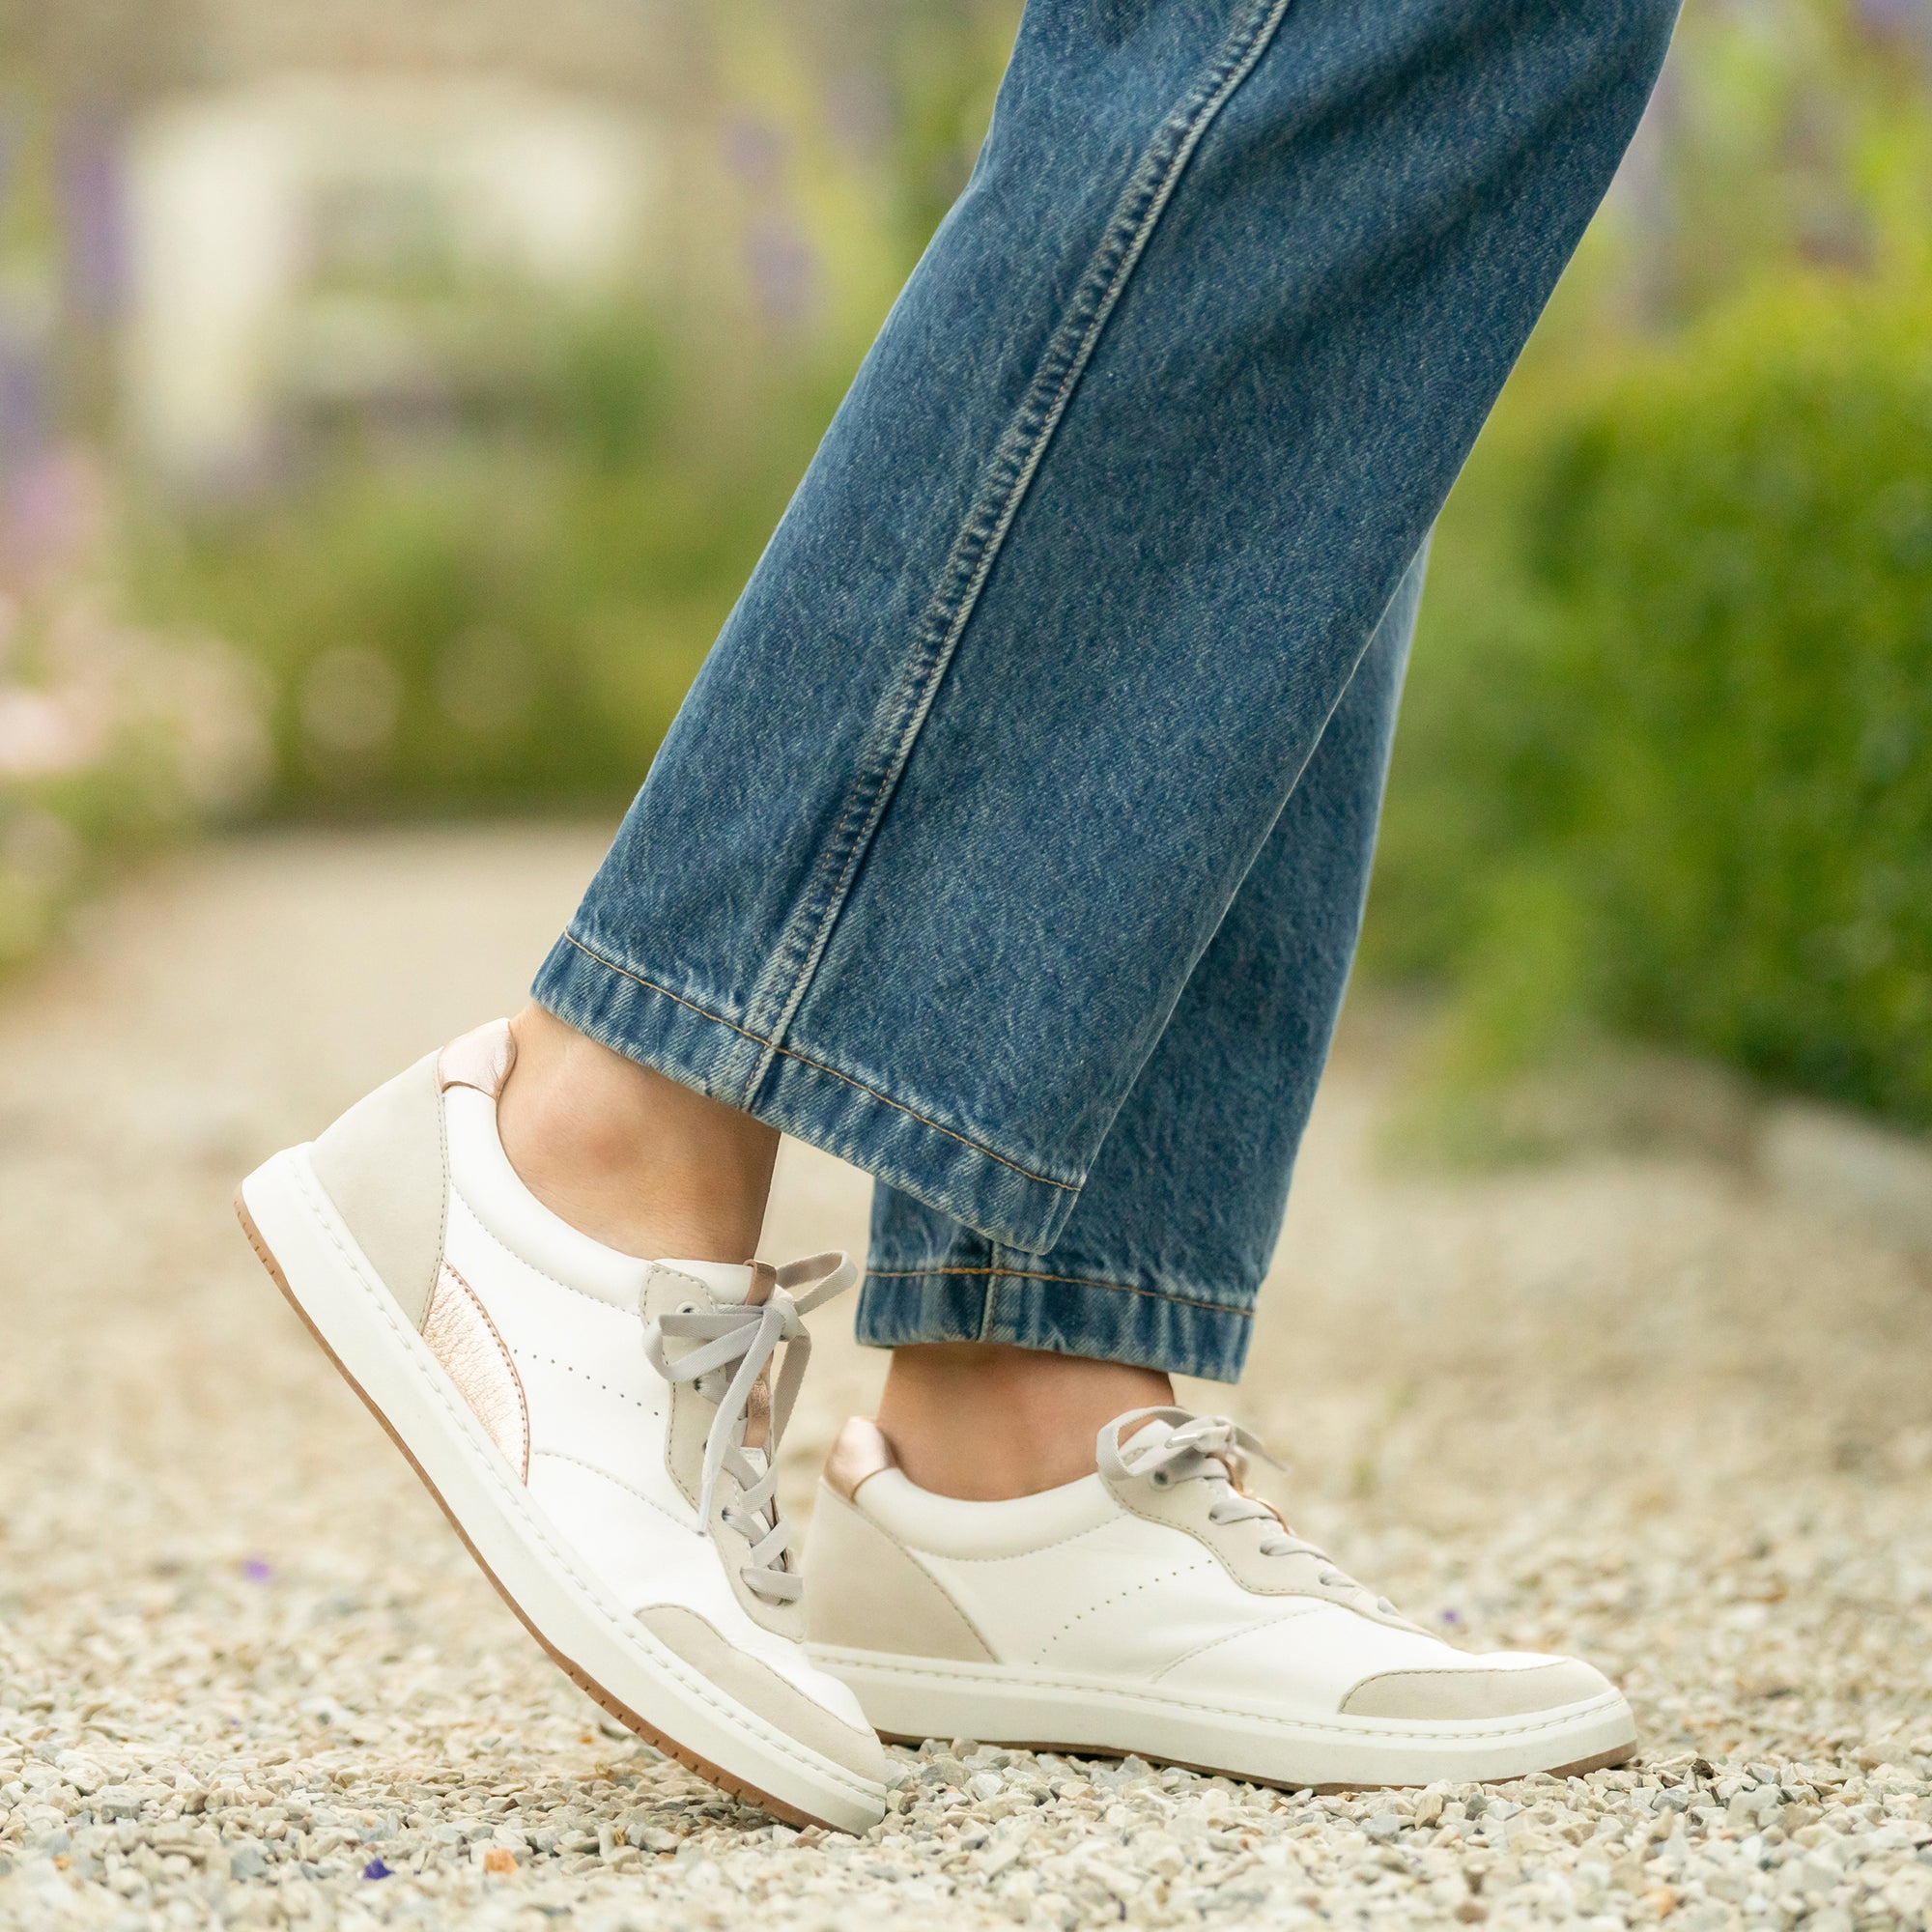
column 1147, row 1435
column 730, row 1281
column 1149, row 1438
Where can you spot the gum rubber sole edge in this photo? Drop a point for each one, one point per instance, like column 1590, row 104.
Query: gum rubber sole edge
column 902, row 1694
column 791, row 1811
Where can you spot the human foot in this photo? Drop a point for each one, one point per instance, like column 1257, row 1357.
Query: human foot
column 1153, row 1606
column 582, row 1417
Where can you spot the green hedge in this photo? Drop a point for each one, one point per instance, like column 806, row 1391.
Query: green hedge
column 1668, row 767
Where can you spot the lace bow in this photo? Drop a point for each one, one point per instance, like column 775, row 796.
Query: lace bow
column 749, row 1334
column 1215, row 1449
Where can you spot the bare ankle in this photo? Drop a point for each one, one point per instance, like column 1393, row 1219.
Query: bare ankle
column 983, row 1422
column 628, row 1156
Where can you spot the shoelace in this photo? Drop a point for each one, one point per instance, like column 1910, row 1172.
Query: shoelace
column 1215, row 1449
column 749, row 1334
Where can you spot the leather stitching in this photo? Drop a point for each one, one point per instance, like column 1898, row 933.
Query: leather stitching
column 518, row 1504
column 523, row 1261
column 1009, row 1555
column 556, row 1280
column 1118, row 1596
column 819, row 1066
column 1479, row 1661
column 1208, row 1543
column 598, row 1469
column 1231, row 1637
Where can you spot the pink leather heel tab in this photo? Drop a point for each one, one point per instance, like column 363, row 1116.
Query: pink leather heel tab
column 861, row 1451
column 481, row 1058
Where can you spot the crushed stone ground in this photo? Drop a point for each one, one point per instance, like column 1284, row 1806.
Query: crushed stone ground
column 1637, row 1408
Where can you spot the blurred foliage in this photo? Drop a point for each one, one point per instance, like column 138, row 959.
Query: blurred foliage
column 112, row 740
column 504, row 614
column 1665, row 768
column 507, row 618
column 1784, row 132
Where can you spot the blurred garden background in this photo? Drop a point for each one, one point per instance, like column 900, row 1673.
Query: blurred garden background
column 394, row 395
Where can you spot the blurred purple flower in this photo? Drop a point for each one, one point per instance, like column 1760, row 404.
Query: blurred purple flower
column 376, row 1868
column 1896, row 16
column 24, row 391
column 1453, row 1618
column 783, row 268
column 12, row 131
column 94, row 207
column 755, row 151
column 859, row 111
column 256, row 1570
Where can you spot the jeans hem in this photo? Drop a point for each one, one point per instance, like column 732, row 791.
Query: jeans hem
column 858, row 1122
column 1061, row 1315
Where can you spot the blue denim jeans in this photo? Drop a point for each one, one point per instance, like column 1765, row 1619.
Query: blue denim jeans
column 1013, row 839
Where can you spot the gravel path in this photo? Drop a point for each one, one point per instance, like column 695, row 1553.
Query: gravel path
column 1641, row 1410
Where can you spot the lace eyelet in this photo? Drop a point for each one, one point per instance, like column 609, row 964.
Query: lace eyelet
column 1160, row 1479
column 687, row 1308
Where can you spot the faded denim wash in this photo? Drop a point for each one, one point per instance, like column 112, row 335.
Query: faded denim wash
column 1012, row 840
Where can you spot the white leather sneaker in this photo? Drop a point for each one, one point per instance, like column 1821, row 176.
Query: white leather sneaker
column 601, row 1431
column 1156, row 1608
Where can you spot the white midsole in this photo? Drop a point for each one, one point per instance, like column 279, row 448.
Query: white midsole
column 994, row 1703
column 355, row 1314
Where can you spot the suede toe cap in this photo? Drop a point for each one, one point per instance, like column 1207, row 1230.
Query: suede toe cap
column 1476, row 1689
column 760, row 1689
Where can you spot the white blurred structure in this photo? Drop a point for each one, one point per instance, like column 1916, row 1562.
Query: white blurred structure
column 272, row 223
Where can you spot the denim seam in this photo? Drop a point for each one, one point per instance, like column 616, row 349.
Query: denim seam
column 1016, row 457
column 819, row 1066
column 989, row 1291
column 1070, row 1280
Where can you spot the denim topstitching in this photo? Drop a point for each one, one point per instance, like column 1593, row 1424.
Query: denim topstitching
column 983, row 532
column 1070, row 1280
column 819, row 1066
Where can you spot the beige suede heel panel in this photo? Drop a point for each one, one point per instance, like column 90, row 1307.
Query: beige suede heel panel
column 386, row 1165
column 1425, row 1696
column 864, row 1591
column 756, row 1686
